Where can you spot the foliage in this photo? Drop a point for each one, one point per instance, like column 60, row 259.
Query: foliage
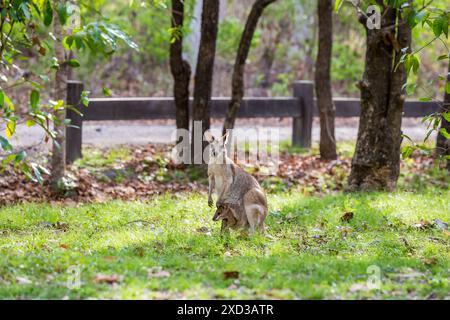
column 25, row 30
column 230, row 30
column 341, row 70
column 425, row 18
column 437, row 20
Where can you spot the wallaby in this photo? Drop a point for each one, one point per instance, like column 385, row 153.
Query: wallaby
column 220, row 167
column 237, row 188
column 231, row 218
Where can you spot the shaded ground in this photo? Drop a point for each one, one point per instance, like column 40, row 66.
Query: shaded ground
column 131, row 173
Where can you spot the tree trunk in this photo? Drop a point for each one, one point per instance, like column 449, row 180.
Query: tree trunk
column 204, row 74
column 58, row 160
column 268, row 57
column 237, row 84
column 376, row 162
column 442, row 144
column 323, row 81
column 181, row 71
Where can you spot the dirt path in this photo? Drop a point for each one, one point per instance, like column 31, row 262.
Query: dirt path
column 108, row 133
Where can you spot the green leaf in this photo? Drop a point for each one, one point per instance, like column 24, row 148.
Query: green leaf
column 410, row 88
column 407, row 151
column 420, row 16
column 68, row 42
column 337, row 5
column 415, row 63
column 10, row 128
column 62, row 13
column 48, row 13
column 407, row 64
column 25, row 10
column 8, row 159
column 2, row 98
column 425, row 99
column 443, row 57
column 6, row 146
column 34, row 99
column 55, row 63
column 20, row 156
column 30, row 123
column 438, row 26
column 8, row 102
column 107, row 92
column 85, row 98
column 443, row 132
column 74, row 63
column 445, row 24
column 447, row 88
column 446, row 116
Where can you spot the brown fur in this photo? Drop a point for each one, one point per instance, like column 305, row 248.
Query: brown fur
column 237, row 189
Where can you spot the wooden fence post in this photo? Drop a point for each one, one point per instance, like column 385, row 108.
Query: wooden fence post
column 74, row 130
column 302, row 126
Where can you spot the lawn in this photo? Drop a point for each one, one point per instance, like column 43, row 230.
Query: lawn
column 168, row 247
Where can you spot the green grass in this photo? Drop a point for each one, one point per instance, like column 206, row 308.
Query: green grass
column 312, row 254
column 344, row 148
column 95, row 158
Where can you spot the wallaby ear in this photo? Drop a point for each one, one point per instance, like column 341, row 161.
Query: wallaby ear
column 225, row 138
column 209, row 137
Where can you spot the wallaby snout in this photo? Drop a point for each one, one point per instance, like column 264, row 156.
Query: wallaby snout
column 216, row 216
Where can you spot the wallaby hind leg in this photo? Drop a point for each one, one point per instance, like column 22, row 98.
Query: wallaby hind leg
column 255, row 209
column 253, row 216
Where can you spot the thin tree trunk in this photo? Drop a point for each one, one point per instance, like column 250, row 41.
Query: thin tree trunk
column 58, row 160
column 204, row 74
column 323, row 81
column 376, row 162
column 268, row 56
column 180, row 68
column 237, row 85
column 442, row 144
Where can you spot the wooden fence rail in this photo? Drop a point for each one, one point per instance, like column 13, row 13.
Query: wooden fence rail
column 301, row 107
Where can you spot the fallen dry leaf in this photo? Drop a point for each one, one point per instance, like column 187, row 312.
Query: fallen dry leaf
column 422, row 224
column 157, row 272
column 359, row 287
column 231, row 275
column 61, row 226
column 23, row 280
column 110, row 258
column 344, row 230
column 347, row 216
column 430, row 261
column 203, row 230
column 109, row 279
column 64, row 246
